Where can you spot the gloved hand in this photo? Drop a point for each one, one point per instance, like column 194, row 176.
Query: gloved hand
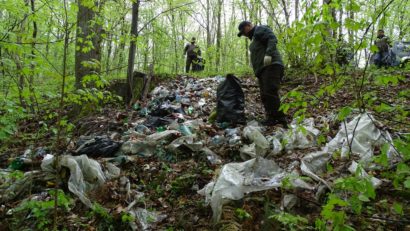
column 267, row 60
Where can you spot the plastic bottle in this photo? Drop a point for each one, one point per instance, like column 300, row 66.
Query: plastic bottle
column 185, row 130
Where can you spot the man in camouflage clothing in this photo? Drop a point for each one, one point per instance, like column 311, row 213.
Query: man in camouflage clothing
column 268, row 67
column 193, row 53
column 383, row 43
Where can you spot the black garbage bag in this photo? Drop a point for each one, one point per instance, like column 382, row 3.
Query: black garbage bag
column 99, row 146
column 155, row 121
column 230, row 101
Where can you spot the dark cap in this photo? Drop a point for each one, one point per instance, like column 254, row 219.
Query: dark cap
column 242, row 26
column 193, row 39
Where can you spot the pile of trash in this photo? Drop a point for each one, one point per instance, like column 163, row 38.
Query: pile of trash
column 177, row 125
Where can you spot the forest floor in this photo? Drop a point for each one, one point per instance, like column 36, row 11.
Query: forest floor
column 158, row 189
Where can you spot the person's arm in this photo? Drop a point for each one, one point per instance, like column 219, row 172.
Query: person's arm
column 185, row 49
column 199, row 51
column 270, row 39
column 388, row 41
column 266, row 36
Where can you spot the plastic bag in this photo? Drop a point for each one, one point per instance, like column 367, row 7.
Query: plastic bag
column 237, row 179
column 97, row 146
column 261, row 143
column 185, row 143
column 366, row 136
column 143, row 148
column 85, row 174
column 213, row 158
column 146, row 218
column 301, row 135
column 248, row 151
column 315, row 163
column 363, row 174
column 230, row 101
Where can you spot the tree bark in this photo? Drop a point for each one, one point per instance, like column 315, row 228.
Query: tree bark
column 33, row 98
column 296, row 10
column 351, row 16
column 132, row 51
column 208, row 24
column 88, row 30
column 341, row 23
column 286, row 12
column 109, row 50
column 121, row 46
column 218, row 35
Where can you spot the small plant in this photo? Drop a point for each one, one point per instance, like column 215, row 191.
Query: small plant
column 10, row 114
column 42, row 210
column 126, row 218
column 333, row 214
column 105, row 219
column 242, row 214
column 290, row 221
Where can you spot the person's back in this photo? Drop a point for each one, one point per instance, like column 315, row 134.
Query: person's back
column 192, row 52
column 382, row 43
column 383, row 56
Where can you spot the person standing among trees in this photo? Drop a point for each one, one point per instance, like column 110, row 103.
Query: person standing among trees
column 383, row 44
column 268, row 67
column 192, row 53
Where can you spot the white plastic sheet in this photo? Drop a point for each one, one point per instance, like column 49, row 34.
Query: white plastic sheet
column 363, row 140
column 238, row 179
column 254, row 134
column 301, row 135
column 147, row 218
column 85, row 174
column 315, row 163
column 362, row 135
column 363, row 174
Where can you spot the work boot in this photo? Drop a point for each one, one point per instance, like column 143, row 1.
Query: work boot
column 273, row 122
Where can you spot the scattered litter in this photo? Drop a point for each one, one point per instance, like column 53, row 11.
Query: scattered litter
column 213, row 158
column 146, row 218
column 85, row 174
column 301, row 135
column 254, row 134
column 362, row 135
column 362, row 173
column 288, row 202
column 97, row 146
column 237, row 179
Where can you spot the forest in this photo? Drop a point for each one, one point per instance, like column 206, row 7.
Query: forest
column 204, row 115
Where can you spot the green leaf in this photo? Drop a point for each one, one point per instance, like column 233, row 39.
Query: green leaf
column 374, row 49
column 363, row 198
column 382, row 158
column 398, row 208
column 343, row 113
column 407, row 182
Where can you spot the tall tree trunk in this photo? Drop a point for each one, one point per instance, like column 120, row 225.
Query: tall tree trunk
column 296, row 10
column 208, row 25
column 121, row 46
column 244, row 13
column 350, row 31
column 131, row 55
column 286, row 12
column 88, row 30
column 341, row 23
column 19, row 62
column 218, row 35
column 174, row 38
column 32, row 64
column 109, row 50
column 329, row 16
